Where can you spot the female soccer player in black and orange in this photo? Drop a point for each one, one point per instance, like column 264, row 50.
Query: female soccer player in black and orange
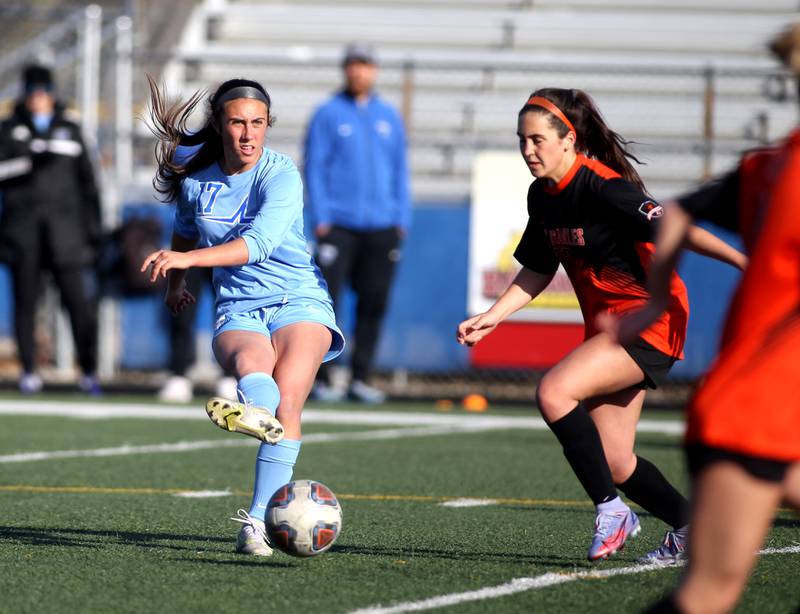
column 590, row 213
column 743, row 437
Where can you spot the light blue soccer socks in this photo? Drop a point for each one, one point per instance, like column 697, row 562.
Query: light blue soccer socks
column 259, row 389
column 274, row 467
column 275, row 463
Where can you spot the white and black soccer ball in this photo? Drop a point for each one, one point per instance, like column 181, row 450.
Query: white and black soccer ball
column 304, row 518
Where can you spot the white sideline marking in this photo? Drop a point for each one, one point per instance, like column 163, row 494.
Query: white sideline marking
column 521, row 585
column 208, row 444
column 103, row 411
column 468, row 502
column 202, row 494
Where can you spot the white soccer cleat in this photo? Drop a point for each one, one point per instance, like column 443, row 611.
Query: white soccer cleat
column 30, row 383
column 177, row 389
column 672, row 548
column 252, row 538
column 364, row 393
column 245, row 419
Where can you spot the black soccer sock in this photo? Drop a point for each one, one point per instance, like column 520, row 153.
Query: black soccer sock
column 580, row 440
column 666, row 606
column 648, row 487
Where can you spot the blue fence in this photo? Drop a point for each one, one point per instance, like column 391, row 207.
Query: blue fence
column 428, row 299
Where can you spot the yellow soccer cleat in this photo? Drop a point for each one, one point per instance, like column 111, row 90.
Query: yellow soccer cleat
column 245, row 419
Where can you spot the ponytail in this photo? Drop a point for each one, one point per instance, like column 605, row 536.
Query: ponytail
column 592, row 136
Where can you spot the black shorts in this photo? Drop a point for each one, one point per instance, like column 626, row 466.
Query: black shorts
column 700, row 456
column 655, row 363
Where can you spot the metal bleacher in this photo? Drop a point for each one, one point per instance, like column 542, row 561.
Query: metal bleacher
column 460, row 69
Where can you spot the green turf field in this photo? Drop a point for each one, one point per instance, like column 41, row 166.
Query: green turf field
column 92, row 520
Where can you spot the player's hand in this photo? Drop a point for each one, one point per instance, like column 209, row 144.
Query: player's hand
column 163, row 260
column 322, row 230
column 177, row 299
column 626, row 328
column 474, row 329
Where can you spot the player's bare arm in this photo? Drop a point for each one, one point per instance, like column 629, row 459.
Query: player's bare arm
column 526, row 286
column 704, row 243
column 232, row 253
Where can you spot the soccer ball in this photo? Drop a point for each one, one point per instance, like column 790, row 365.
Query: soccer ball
column 303, row 518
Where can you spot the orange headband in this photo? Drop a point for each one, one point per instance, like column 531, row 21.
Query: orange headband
column 540, row 101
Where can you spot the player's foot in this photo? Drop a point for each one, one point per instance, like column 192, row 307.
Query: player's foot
column 177, row 389
column 252, row 537
column 30, row 383
column 364, row 393
column 245, row 419
column 89, row 384
column 672, row 549
column 611, row 531
column 326, row 394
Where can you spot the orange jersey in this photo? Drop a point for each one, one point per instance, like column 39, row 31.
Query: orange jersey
column 600, row 228
column 750, row 400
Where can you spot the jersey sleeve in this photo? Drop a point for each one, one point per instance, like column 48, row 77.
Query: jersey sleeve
column 715, row 201
column 184, row 224
column 637, row 208
column 534, row 251
column 281, row 202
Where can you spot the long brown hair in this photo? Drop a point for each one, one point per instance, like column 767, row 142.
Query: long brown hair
column 593, row 137
column 168, row 122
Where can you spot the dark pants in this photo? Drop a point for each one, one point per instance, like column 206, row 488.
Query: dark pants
column 77, row 297
column 183, row 351
column 365, row 260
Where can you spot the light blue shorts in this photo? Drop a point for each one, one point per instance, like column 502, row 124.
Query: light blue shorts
column 266, row 320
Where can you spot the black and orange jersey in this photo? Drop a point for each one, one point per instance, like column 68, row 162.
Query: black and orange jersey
column 750, row 400
column 600, row 227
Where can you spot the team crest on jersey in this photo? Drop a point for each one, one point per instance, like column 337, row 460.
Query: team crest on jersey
column 651, row 209
column 383, row 128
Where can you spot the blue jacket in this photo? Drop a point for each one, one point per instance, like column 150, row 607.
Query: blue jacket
column 355, row 165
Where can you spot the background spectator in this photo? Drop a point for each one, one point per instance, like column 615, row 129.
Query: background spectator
column 357, row 182
column 50, row 220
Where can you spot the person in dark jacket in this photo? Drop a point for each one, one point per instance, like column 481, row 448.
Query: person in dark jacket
column 50, row 220
column 358, row 196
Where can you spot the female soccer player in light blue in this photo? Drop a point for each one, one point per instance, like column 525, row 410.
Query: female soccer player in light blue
column 239, row 209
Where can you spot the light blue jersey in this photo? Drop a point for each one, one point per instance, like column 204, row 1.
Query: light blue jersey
column 264, row 206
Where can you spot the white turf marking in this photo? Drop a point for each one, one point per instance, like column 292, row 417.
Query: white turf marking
column 104, row 411
column 208, row 444
column 468, row 502
column 521, row 585
column 202, row 494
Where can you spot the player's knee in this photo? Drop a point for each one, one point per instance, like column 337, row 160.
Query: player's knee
column 621, row 464
column 244, row 361
column 552, row 399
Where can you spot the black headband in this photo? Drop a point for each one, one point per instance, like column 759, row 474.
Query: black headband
column 243, row 91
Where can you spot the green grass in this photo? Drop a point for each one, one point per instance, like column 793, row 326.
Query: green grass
column 107, row 534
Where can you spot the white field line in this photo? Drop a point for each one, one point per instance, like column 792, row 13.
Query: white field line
column 202, row 494
column 468, row 502
column 209, row 444
column 103, row 411
column 521, row 585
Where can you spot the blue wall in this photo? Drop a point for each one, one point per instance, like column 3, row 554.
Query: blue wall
column 428, row 300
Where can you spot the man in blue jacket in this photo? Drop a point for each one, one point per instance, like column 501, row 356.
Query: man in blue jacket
column 358, row 195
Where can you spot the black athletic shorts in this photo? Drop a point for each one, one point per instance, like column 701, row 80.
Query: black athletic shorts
column 655, row 363
column 700, row 456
